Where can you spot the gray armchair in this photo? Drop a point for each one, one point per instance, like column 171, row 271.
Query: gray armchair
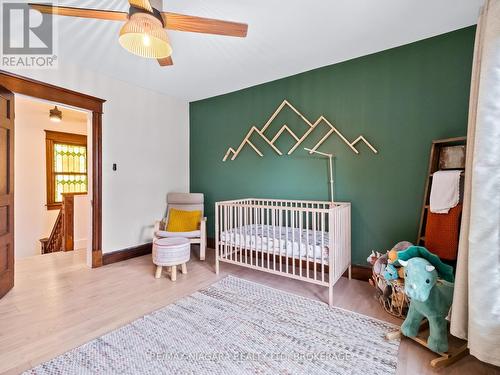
column 185, row 202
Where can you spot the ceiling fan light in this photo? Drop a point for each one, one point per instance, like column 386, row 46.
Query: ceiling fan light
column 143, row 35
column 55, row 115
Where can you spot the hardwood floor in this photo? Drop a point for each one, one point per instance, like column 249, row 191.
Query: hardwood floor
column 58, row 303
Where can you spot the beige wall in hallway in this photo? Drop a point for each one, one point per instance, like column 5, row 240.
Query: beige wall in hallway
column 32, row 220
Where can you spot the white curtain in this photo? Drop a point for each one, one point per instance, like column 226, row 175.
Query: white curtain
column 476, row 303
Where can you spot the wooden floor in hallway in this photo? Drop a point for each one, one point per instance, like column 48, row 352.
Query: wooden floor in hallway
column 58, row 303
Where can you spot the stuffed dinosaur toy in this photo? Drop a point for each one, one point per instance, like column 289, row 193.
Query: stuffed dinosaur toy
column 393, row 271
column 390, row 272
column 429, row 285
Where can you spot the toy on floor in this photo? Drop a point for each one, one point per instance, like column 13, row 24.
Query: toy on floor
column 391, row 272
column 403, row 245
column 387, row 279
column 445, row 271
column 372, row 258
column 429, row 285
column 379, row 262
column 392, row 255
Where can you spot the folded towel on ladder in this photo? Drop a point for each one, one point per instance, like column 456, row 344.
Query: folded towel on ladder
column 445, row 191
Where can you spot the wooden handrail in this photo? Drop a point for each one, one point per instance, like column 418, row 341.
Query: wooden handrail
column 54, row 242
column 68, row 208
column 61, row 236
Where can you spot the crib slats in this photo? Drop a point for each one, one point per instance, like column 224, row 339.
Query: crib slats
column 293, row 239
column 315, row 256
column 246, row 233
column 232, row 228
column 270, row 238
column 323, row 246
column 261, row 248
column 287, row 212
column 273, row 223
column 255, row 220
column 280, row 225
column 217, row 217
column 274, row 235
column 228, row 234
column 300, row 213
column 308, row 248
column 237, row 223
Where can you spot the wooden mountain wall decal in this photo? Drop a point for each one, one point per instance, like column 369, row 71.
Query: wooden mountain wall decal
column 231, row 152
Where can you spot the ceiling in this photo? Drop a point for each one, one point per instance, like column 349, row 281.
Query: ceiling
column 41, row 108
column 284, row 38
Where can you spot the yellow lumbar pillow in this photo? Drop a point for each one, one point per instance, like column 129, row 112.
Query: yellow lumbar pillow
column 183, row 221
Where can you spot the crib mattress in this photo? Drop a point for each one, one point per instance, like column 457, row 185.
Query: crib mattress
column 283, row 241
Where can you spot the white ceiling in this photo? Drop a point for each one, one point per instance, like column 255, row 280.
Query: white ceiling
column 42, row 107
column 285, row 37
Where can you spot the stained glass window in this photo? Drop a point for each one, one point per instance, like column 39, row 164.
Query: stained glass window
column 66, row 165
column 70, row 169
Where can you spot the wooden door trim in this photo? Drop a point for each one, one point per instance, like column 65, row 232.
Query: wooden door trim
column 41, row 90
column 7, row 237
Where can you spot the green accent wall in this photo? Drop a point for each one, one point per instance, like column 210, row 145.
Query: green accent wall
column 399, row 100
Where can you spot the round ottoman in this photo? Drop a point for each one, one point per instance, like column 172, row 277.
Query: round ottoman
column 171, row 252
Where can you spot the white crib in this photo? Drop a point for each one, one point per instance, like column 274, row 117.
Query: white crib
column 304, row 240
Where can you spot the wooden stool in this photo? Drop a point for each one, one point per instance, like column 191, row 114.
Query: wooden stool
column 171, row 252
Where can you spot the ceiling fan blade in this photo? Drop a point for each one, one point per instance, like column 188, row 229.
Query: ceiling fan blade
column 182, row 22
column 110, row 15
column 166, row 61
column 142, row 4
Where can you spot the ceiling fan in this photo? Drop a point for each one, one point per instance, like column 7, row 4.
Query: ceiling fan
column 144, row 33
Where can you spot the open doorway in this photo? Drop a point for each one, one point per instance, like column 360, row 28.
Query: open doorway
column 10, row 85
column 51, row 169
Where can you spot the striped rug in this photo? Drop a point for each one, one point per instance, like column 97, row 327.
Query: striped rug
column 238, row 327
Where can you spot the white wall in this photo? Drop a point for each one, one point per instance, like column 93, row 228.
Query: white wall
column 81, row 221
column 147, row 135
column 32, row 220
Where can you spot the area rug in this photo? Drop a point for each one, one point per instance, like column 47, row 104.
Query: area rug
column 238, row 327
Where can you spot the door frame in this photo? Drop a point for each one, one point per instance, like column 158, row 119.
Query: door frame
column 41, row 90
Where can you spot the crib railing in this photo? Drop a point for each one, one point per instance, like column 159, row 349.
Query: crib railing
column 306, row 240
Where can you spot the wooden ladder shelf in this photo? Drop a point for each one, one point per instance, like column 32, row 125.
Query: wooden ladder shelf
column 434, row 165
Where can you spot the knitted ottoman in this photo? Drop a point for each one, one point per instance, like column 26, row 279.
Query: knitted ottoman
column 171, row 252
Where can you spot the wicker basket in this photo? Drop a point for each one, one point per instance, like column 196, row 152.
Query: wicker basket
column 396, row 302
